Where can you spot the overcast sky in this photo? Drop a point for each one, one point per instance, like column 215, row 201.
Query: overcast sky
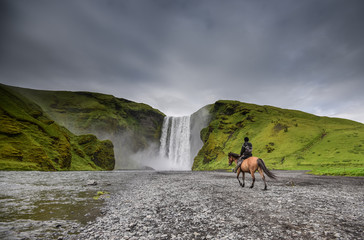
column 179, row 56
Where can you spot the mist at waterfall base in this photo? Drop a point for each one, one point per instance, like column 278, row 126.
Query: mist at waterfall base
column 176, row 142
column 174, row 152
column 179, row 143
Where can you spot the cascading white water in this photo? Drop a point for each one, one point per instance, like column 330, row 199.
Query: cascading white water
column 175, row 142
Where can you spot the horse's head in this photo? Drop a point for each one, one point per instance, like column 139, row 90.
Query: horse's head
column 232, row 157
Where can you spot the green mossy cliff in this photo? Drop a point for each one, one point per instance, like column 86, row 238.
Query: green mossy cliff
column 38, row 132
column 285, row 139
column 30, row 140
column 132, row 127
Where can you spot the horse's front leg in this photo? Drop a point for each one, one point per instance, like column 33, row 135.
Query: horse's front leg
column 237, row 176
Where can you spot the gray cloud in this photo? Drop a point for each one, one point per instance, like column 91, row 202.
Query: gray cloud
column 181, row 55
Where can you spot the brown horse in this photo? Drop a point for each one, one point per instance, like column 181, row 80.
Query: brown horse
column 251, row 165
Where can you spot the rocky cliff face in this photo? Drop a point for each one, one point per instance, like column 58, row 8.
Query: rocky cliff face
column 31, row 140
column 199, row 121
column 131, row 126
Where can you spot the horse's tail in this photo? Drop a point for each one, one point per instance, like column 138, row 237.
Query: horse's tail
column 261, row 164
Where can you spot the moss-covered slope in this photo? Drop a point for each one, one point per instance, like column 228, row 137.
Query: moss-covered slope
column 285, row 139
column 31, row 136
column 131, row 126
column 30, row 140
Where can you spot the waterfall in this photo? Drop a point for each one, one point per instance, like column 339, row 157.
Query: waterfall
column 175, row 142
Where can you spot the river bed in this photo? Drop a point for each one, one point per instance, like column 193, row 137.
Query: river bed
column 44, row 204
column 179, row 205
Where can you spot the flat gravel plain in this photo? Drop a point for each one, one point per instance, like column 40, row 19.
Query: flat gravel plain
column 179, row 205
column 212, row 205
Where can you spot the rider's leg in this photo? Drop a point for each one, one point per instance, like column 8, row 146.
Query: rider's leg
column 238, row 165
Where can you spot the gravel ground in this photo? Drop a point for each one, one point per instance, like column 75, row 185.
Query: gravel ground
column 212, row 205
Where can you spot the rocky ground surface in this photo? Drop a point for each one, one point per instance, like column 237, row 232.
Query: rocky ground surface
column 212, row 205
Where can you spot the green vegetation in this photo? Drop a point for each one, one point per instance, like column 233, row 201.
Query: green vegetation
column 130, row 126
column 37, row 132
column 30, row 140
column 285, row 139
column 102, row 195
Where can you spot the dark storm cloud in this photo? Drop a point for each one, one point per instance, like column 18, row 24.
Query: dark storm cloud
column 181, row 55
column 70, row 39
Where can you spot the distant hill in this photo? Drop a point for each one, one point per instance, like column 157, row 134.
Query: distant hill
column 284, row 139
column 31, row 140
column 59, row 130
column 131, row 126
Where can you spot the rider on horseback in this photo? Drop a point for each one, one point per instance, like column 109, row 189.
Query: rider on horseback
column 246, row 152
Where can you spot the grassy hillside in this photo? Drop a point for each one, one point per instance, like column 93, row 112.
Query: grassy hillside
column 30, row 140
column 37, row 132
column 284, row 139
column 131, row 126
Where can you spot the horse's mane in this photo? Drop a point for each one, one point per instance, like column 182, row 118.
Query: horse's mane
column 234, row 155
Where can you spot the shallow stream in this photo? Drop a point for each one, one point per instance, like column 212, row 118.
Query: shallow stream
column 43, row 204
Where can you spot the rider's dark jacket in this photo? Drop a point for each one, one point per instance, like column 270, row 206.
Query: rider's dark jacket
column 246, row 150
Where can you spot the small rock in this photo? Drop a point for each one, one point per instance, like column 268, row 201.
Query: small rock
column 91, row 182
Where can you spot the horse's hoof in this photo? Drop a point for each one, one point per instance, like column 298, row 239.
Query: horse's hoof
column 251, row 186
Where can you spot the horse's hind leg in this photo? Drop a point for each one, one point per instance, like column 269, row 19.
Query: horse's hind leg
column 253, row 178
column 243, row 179
column 263, row 177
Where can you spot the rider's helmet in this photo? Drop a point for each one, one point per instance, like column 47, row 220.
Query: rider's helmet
column 246, row 139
